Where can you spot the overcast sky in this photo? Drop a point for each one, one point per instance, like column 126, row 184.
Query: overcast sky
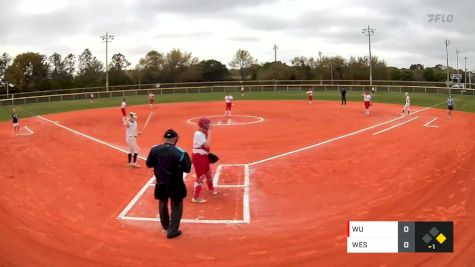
column 215, row 29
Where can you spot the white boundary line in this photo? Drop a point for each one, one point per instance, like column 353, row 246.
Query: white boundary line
column 136, row 198
column 246, row 213
column 217, row 173
column 148, row 119
column 338, row 137
column 30, row 132
column 432, row 126
column 246, row 205
column 87, row 136
column 394, row 126
column 156, row 219
column 259, row 119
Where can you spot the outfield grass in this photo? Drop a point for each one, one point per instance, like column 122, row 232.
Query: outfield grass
column 463, row 103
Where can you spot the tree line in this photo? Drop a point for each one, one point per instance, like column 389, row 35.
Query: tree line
column 34, row 71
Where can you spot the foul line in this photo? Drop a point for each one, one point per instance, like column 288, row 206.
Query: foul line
column 87, row 136
column 148, row 119
column 136, row 198
column 338, row 137
column 433, row 126
column 397, row 125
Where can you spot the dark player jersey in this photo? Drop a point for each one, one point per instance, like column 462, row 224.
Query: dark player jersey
column 15, row 118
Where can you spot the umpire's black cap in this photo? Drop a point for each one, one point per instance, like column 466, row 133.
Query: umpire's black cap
column 170, row 133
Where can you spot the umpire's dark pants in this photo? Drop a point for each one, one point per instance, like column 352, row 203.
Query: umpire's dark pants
column 170, row 224
column 343, row 99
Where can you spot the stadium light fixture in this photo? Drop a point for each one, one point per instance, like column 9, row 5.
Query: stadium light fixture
column 107, row 38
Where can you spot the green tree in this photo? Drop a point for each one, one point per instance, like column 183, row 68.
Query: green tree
column 5, row 61
column 175, row 65
column 150, row 67
column 275, row 70
column 90, row 70
column 29, row 72
column 213, row 70
column 242, row 60
column 118, row 74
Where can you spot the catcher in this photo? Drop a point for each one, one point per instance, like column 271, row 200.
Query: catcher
column 202, row 158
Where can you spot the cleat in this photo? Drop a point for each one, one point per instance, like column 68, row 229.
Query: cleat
column 135, row 165
column 173, row 235
column 198, row 200
column 213, row 192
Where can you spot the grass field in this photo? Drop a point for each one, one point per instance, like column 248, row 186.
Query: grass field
column 463, row 103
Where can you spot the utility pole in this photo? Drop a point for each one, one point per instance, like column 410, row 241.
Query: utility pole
column 465, row 72
column 369, row 31
column 447, row 43
column 107, row 39
column 275, row 52
column 321, row 67
column 331, row 71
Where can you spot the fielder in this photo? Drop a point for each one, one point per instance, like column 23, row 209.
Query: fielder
column 242, row 90
column 450, row 106
column 201, row 148
column 15, row 122
column 407, row 106
column 151, row 98
column 131, row 132
column 228, row 99
column 310, row 96
column 367, row 101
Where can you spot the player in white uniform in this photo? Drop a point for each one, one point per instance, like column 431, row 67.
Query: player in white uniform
column 407, row 106
column 242, row 90
column 151, row 98
column 131, row 132
column 228, row 99
column 367, row 101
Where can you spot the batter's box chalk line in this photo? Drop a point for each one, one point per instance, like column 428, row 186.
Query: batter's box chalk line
column 246, row 219
column 24, row 130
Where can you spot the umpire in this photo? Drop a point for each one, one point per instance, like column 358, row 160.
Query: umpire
column 169, row 163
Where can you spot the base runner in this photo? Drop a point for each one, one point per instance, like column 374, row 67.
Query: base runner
column 407, row 106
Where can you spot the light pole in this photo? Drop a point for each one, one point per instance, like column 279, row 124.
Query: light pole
column 369, row 31
column 320, row 56
column 331, row 71
column 447, row 43
column 107, row 39
column 275, row 52
column 465, row 72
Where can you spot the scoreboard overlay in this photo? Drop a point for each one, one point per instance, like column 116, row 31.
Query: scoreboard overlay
column 399, row 237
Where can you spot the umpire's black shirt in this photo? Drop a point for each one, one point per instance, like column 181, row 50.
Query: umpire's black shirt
column 169, row 163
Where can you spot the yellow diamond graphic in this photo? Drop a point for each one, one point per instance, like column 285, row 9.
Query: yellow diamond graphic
column 441, row 238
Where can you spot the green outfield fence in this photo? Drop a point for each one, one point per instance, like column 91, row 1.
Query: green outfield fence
column 233, row 86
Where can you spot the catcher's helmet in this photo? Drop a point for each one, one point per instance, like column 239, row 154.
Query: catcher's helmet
column 204, row 123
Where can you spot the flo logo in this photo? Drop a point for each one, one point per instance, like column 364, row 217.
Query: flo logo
column 440, row 18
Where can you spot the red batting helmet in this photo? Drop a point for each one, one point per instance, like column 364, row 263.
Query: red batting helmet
column 204, row 123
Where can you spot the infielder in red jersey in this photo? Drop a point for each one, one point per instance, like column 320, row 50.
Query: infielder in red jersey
column 367, row 101
column 201, row 148
column 228, row 99
column 310, row 96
